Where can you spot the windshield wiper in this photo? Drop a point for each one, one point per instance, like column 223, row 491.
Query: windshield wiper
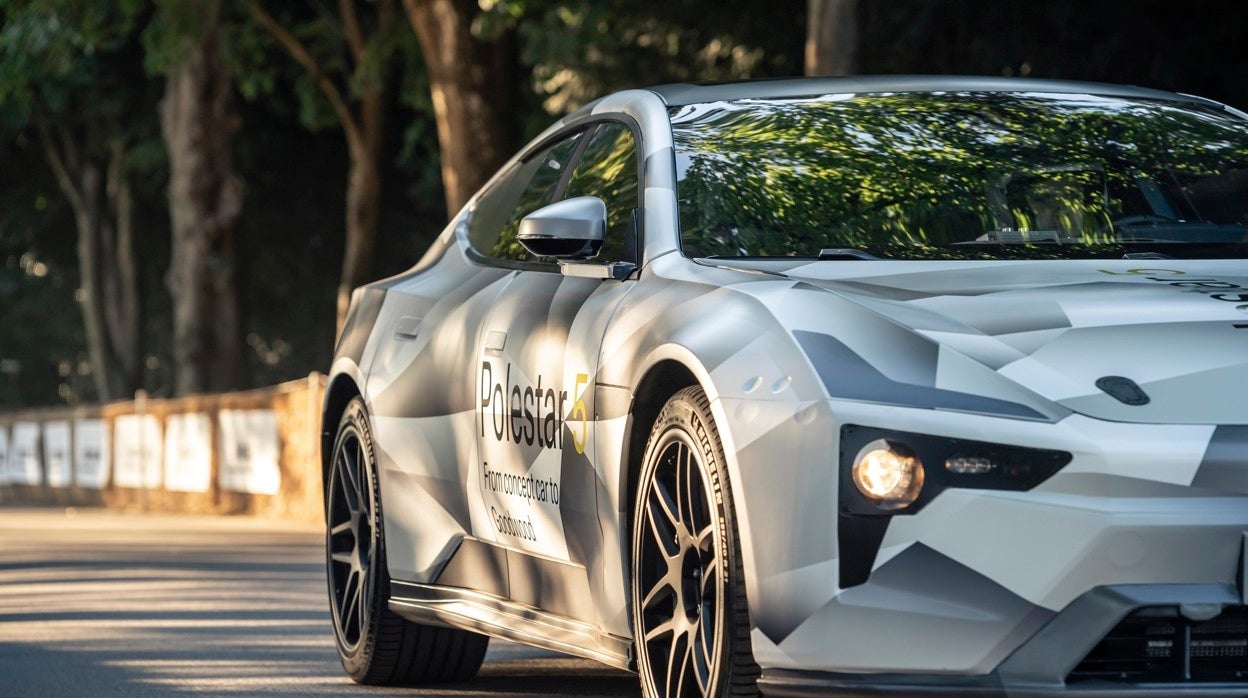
column 844, row 253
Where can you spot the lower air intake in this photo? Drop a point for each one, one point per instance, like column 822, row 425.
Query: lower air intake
column 1159, row 645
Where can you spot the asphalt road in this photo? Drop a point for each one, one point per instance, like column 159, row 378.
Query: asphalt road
column 96, row 603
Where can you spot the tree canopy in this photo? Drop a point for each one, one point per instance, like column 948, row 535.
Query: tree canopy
column 88, row 237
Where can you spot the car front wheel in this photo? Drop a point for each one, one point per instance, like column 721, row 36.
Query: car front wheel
column 690, row 620
column 375, row 645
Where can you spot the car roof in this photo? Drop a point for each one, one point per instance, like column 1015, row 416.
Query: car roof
column 682, row 94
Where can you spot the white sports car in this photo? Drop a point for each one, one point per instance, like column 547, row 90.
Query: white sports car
column 911, row 385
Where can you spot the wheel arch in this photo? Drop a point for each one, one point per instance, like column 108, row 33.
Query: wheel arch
column 675, row 371
column 656, row 386
column 667, row 371
column 341, row 390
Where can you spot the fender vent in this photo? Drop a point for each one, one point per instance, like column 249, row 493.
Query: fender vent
column 1123, row 390
column 1157, row 644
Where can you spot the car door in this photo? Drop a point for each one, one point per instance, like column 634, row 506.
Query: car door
column 536, row 491
column 421, row 376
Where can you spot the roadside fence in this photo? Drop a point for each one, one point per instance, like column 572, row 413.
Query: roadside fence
column 252, row 452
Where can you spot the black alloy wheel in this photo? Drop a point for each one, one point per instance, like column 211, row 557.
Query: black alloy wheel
column 376, row 645
column 690, row 620
column 350, row 547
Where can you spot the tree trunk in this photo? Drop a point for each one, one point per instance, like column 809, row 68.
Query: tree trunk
column 121, row 278
column 363, row 198
column 95, row 268
column 831, row 37
column 108, row 280
column 205, row 201
column 363, row 132
column 472, row 84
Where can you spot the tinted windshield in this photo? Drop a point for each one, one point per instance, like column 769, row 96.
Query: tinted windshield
column 960, row 175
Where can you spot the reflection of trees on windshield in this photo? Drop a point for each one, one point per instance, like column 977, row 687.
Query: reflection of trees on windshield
column 900, row 171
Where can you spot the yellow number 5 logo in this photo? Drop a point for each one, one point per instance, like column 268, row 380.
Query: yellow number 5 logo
column 579, row 412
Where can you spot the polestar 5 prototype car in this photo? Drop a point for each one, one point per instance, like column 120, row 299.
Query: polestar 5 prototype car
column 860, row 385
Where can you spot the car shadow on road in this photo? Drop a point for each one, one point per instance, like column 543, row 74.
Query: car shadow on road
column 551, row 676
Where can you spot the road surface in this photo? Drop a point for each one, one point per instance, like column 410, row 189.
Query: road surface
column 97, row 603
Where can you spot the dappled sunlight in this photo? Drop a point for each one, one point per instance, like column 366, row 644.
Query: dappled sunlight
column 127, row 605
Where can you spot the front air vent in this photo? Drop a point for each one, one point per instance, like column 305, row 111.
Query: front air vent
column 1159, row 645
column 1123, row 390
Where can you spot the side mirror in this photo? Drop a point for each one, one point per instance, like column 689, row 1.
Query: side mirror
column 569, row 229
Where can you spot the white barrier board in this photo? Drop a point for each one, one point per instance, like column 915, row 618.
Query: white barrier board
column 188, row 452
column 137, row 451
column 24, row 465
column 249, row 451
column 90, row 453
column 4, row 454
column 56, row 453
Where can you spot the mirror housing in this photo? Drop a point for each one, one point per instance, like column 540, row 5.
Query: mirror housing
column 569, row 229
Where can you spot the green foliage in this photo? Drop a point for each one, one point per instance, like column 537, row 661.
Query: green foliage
column 498, row 17
column 81, row 64
column 174, row 28
column 256, row 64
column 264, row 69
column 71, row 71
column 53, row 51
column 263, row 72
column 73, row 64
column 581, row 49
column 417, row 159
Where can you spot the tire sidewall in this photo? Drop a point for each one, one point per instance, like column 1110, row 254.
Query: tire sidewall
column 684, row 415
column 357, row 660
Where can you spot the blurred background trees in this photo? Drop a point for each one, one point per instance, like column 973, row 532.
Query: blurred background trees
column 205, row 194
column 190, row 190
column 347, row 58
column 66, row 89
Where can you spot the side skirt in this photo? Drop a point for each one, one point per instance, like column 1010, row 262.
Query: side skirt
column 490, row 615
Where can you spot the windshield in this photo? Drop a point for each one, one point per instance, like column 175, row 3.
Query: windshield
column 960, row 176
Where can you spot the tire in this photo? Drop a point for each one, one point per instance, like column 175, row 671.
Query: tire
column 689, row 612
column 375, row 645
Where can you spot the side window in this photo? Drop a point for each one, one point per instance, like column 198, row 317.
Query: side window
column 608, row 170
column 529, row 185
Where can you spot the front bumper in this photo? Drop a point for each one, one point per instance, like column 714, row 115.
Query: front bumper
column 1052, row 662
column 957, row 590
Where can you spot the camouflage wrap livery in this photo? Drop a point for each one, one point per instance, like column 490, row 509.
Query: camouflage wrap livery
column 511, row 400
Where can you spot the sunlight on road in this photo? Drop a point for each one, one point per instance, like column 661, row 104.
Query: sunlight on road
column 105, row 604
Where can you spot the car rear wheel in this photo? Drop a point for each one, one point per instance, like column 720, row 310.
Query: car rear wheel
column 375, row 645
column 690, row 620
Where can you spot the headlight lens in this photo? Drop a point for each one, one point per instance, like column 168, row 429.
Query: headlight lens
column 888, row 474
column 885, row 472
column 882, row 476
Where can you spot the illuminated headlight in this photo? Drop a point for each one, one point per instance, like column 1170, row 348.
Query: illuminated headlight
column 883, row 476
column 895, row 473
column 888, row 474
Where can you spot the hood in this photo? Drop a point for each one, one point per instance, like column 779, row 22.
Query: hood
column 1149, row 341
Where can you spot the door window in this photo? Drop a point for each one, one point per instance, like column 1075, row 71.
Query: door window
column 528, row 186
column 608, row 170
